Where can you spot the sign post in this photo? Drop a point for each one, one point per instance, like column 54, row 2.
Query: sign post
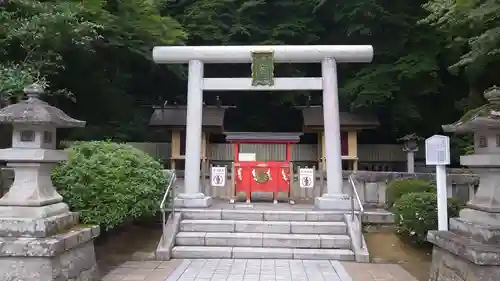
column 218, row 176
column 437, row 152
column 244, row 157
column 306, row 177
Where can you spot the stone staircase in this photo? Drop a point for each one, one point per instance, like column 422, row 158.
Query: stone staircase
column 260, row 234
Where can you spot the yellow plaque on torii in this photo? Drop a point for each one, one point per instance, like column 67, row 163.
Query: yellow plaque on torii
column 263, row 68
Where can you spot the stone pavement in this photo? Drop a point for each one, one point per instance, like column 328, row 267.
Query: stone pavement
column 377, row 272
column 142, row 271
column 256, row 270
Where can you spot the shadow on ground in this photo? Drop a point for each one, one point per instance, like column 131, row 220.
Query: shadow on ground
column 123, row 244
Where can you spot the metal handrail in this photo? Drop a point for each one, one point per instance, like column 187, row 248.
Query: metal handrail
column 361, row 210
column 170, row 187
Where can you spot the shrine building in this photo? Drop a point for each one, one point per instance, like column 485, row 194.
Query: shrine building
column 222, row 147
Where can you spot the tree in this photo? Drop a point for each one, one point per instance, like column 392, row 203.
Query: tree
column 34, row 34
column 99, row 52
column 472, row 35
column 391, row 86
column 472, row 32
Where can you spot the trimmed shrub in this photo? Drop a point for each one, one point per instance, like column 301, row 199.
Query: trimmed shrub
column 416, row 213
column 109, row 183
column 398, row 188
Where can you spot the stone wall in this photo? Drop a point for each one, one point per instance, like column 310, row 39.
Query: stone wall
column 464, row 259
column 75, row 264
column 371, row 186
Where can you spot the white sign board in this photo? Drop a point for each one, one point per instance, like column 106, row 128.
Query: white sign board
column 247, row 157
column 437, row 150
column 306, row 177
column 218, row 176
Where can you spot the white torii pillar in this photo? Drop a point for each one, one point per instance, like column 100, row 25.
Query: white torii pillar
column 328, row 55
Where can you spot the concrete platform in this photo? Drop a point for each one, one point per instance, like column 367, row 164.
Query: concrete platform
column 371, row 215
column 206, row 252
column 268, row 240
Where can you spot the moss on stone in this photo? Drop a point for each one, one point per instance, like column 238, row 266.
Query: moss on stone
column 481, row 111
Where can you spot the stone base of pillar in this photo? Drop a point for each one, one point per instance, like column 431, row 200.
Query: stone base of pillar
column 333, row 202
column 196, row 200
column 478, row 216
column 468, row 251
column 33, row 212
column 49, row 249
column 38, row 228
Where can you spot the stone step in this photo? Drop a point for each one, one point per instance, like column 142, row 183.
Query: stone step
column 378, row 216
column 483, row 233
column 194, row 252
column 262, row 215
column 294, row 227
column 271, row 240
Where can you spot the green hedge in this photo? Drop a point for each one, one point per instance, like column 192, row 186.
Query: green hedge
column 398, row 188
column 416, row 213
column 110, row 183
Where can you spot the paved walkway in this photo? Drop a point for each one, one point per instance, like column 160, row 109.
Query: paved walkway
column 256, row 270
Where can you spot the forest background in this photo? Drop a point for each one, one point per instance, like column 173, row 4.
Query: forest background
column 433, row 59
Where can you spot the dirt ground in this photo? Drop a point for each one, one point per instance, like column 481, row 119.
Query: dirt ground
column 386, row 247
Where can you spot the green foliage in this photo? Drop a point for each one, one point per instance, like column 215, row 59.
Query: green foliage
column 14, row 77
column 416, row 214
column 472, row 31
column 391, row 85
column 461, row 145
column 99, row 54
column 35, row 34
column 110, row 183
column 96, row 52
column 398, row 188
column 225, row 22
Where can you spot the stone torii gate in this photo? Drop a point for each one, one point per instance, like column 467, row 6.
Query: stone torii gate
column 263, row 59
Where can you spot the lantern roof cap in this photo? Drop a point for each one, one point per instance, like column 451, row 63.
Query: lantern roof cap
column 485, row 117
column 34, row 111
column 410, row 137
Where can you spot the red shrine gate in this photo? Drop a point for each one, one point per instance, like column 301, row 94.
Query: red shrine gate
column 257, row 175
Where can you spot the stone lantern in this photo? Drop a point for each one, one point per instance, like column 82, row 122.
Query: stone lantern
column 39, row 236
column 470, row 249
column 410, row 146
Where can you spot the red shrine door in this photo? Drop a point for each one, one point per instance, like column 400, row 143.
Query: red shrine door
column 262, row 176
column 259, row 176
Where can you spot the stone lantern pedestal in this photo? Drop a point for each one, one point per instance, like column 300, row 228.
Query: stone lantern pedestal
column 470, row 250
column 40, row 239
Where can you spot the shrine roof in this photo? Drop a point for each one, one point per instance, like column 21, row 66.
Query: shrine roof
column 262, row 137
column 175, row 116
column 313, row 116
column 34, row 111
